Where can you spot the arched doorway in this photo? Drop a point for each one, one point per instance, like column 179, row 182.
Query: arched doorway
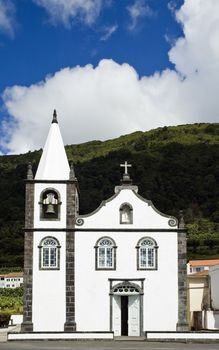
column 126, row 309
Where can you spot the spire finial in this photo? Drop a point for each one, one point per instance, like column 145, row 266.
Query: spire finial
column 181, row 219
column 72, row 172
column 29, row 172
column 54, row 120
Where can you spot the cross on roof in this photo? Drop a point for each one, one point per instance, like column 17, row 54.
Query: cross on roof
column 126, row 166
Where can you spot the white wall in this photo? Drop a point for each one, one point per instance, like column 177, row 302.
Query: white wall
column 212, row 319
column 48, row 289
column 143, row 214
column 214, row 280
column 2, row 282
column 16, row 319
column 11, row 282
column 49, row 293
column 92, row 287
column 198, row 292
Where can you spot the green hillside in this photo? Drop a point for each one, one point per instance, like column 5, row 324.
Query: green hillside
column 176, row 167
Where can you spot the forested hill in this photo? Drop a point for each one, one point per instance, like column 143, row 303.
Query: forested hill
column 176, row 167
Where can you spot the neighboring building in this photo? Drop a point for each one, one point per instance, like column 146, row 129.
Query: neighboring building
column 213, row 319
column 198, row 298
column 194, row 266
column 121, row 268
column 203, row 295
column 11, row 280
column 214, row 278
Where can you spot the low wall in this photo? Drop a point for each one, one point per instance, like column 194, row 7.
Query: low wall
column 16, row 319
column 212, row 319
column 60, row 336
column 174, row 336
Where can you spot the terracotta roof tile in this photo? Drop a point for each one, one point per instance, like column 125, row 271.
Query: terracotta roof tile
column 209, row 262
column 12, row 274
column 200, row 273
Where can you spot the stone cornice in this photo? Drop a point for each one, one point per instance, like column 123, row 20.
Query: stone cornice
column 54, row 229
column 74, row 181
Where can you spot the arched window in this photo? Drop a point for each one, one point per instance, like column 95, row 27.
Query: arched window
column 50, row 204
column 105, row 254
column 147, row 254
column 126, row 214
column 49, row 254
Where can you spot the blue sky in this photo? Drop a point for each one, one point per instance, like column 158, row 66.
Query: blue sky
column 108, row 66
column 36, row 47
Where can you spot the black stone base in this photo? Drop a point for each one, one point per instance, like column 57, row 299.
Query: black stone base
column 70, row 327
column 182, row 327
column 26, row 327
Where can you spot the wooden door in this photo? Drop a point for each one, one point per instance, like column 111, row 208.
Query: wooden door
column 134, row 315
column 117, row 315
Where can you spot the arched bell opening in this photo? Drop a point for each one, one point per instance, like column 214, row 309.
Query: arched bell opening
column 50, row 203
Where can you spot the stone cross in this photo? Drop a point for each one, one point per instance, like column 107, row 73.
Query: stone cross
column 126, row 166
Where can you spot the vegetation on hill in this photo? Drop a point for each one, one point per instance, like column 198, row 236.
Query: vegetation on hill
column 11, row 300
column 176, row 167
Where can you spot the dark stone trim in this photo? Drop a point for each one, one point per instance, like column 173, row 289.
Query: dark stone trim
column 141, row 314
column 70, row 324
column 127, row 279
column 29, row 206
column 105, row 269
column 73, row 181
column 182, row 324
column 105, row 229
column 27, row 325
column 111, row 306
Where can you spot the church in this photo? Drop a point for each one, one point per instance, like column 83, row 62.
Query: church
column 119, row 269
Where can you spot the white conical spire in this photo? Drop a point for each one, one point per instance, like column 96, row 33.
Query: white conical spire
column 53, row 164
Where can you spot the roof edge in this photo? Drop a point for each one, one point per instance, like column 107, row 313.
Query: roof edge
column 173, row 221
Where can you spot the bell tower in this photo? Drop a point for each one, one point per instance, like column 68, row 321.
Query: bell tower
column 51, row 207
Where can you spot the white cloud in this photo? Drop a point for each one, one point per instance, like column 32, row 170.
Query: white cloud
column 66, row 11
column 138, row 10
column 108, row 31
column 7, row 20
column 110, row 99
column 172, row 6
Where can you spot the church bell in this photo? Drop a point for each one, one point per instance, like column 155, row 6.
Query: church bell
column 50, row 201
column 50, row 209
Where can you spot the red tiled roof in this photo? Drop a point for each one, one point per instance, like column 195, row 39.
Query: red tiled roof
column 200, row 273
column 204, row 262
column 12, row 274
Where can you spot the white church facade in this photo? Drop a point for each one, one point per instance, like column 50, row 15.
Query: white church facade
column 120, row 269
